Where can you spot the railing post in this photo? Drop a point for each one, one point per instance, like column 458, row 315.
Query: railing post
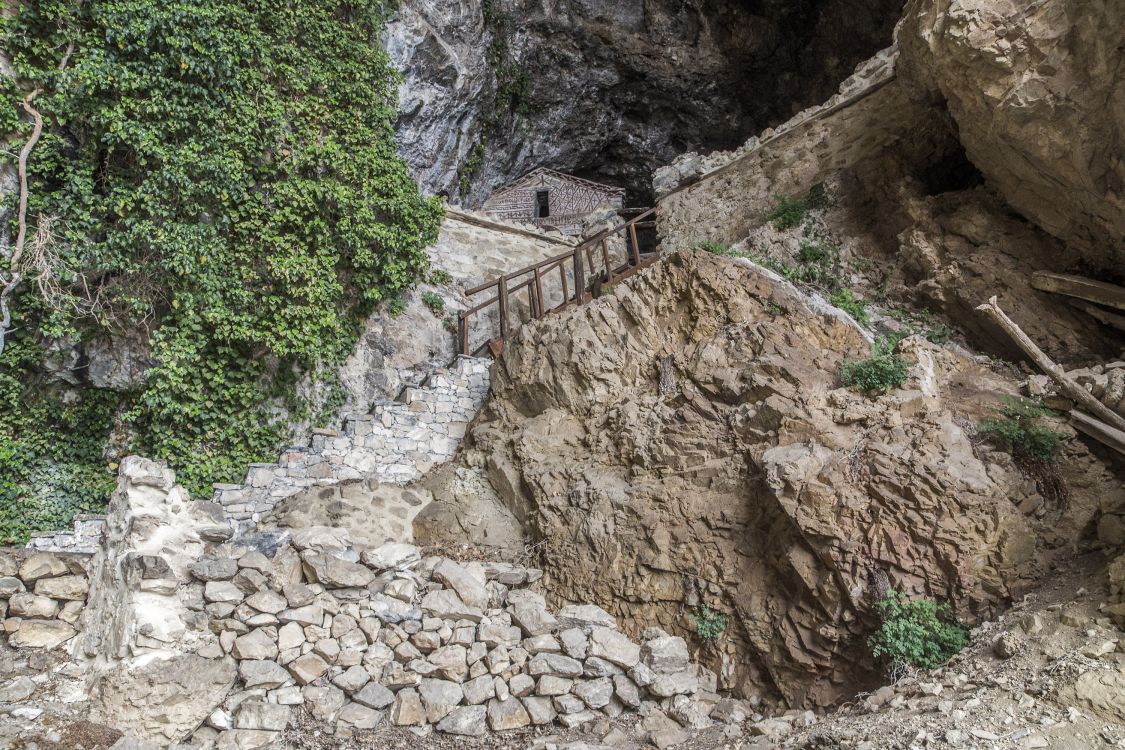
column 502, row 290
column 605, row 259
column 579, row 280
column 566, row 289
column 464, row 334
column 539, row 313
column 635, row 251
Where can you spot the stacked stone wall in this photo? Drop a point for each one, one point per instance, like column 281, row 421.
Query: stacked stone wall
column 723, row 196
column 42, row 596
column 396, row 444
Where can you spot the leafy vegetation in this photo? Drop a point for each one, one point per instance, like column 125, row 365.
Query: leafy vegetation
column 846, row 300
column 716, row 248
column 434, row 301
column 222, row 174
column 918, row 634
column 440, row 277
column 1017, row 428
column 881, row 372
column 920, row 323
column 709, row 624
column 787, row 212
column 51, row 464
column 396, row 305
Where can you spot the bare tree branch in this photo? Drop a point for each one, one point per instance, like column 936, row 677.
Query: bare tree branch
column 14, row 275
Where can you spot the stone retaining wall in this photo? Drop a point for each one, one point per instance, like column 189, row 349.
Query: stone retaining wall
column 42, row 596
column 396, row 444
column 190, row 639
column 723, row 196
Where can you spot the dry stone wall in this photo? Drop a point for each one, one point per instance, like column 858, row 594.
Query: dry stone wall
column 180, row 637
column 397, row 444
column 42, row 596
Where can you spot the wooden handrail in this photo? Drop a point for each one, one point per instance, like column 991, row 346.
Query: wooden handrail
column 578, row 261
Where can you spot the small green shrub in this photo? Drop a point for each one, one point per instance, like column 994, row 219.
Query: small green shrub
column 434, row 301
column 812, row 251
column 716, row 248
column 879, row 373
column 1017, row 428
column 396, row 306
column 451, row 323
column 919, row 323
column 918, row 634
column 852, row 305
column 438, row 277
column 787, row 212
column 709, row 624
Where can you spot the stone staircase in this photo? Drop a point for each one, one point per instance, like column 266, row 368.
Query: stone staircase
column 397, row 443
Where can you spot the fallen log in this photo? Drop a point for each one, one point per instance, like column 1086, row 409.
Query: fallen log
column 1099, row 431
column 1066, row 384
column 1099, row 292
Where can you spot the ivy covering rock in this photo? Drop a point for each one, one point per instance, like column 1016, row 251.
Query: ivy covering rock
column 222, row 176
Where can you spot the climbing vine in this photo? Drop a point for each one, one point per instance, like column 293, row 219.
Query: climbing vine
column 222, row 175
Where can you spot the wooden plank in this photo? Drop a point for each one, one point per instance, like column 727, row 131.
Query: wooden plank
column 503, row 306
column 464, row 337
column 539, row 311
column 635, row 248
column 1102, row 316
column 605, row 259
column 579, row 280
column 1099, row 431
column 1098, row 292
column 1066, row 384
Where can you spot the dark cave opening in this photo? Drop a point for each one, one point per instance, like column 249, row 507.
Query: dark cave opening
column 618, row 90
column 951, row 172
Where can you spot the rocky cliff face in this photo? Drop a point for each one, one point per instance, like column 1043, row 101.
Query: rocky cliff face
column 1035, row 91
column 685, row 441
column 612, row 90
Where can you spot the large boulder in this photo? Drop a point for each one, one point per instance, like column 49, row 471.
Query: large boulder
column 163, row 700
column 686, row 441
column 1037, row 91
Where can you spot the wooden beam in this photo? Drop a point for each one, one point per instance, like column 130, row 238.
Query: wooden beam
column 1098, row 292
column 1113, row 320
column 1068, row 386
column 1099, row 431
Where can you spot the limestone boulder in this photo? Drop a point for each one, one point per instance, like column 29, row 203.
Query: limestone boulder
column 717, row 430
column 1036, row 91
column 45, row 634
column 163, row 701
column 335, row 572
column 466, row 721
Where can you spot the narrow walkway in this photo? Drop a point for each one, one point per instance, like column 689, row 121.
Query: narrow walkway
column 583, row 274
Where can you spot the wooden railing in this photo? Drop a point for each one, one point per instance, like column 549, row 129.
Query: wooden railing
column 572, row 267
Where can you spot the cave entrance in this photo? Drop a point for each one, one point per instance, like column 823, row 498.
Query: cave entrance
column 542, row 204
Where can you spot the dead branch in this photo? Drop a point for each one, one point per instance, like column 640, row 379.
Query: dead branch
column 1067, row 385
column 14, row 276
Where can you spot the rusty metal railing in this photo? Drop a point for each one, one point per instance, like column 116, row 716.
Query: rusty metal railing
column 576, row 289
